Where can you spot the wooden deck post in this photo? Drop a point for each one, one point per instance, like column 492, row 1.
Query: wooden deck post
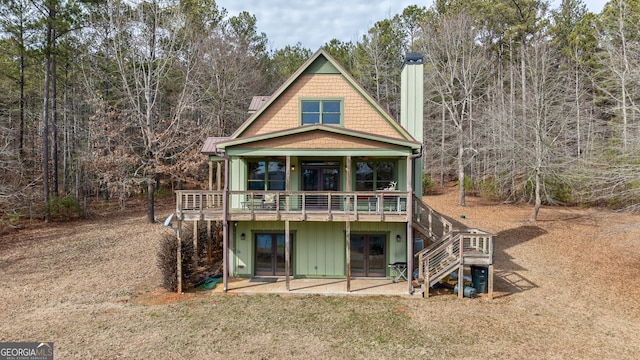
column 209, row 241
column 461, row 270
column 348, row 250
column 209, row 235
column 287, row 253
column 409, row 225
column 287, row 174
column 348, row 225
column 195, row 245
column 427, row 281
column 490, row 282
column 179, row 257
column 287, row 184
column 225, row 229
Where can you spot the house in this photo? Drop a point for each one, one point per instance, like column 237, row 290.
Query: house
column 321, row 182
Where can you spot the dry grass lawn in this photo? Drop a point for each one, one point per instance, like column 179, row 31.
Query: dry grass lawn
column 567, row 286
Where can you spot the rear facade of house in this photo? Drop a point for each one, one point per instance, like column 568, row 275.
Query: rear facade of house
column 320, row 181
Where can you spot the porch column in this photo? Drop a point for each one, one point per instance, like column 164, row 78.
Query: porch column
column 287, row 179
column 348, row 269
column 461, row 269
column 287, row 250
column 490, row 282
column 179, row 257
column 209, row 236
column 195, row 245
column 287, row 184
column 287, row 230
column 409, row 225
column 348, row 223
column 225, row 228
column 218, row 176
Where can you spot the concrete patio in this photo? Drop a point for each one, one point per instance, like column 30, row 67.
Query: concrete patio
column 359, row 287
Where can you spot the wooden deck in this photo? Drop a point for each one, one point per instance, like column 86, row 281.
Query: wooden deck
column 375, row 206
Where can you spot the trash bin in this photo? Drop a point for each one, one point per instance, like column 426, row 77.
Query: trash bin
column 479, row 277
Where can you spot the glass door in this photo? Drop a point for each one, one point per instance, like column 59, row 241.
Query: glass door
column 368, row 255
column 270, row 255
column 320, row 176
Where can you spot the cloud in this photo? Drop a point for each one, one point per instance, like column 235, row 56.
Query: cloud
column 314, row 22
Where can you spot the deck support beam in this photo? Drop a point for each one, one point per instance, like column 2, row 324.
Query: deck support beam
column 179, row 257
column 195, row 245
column 490, row 285
column 287, row 253
column 461, row 269
column 225, row 228
column 348, row 250
column 209, row 235
column 410, row 164
column 348, row 225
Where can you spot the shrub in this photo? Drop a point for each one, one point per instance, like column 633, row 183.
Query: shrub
column 162, row 193
column 489, row 188
column 65, row 208
column 562, row 193
column 166, row 259
column 427, row 184
column 468, row 186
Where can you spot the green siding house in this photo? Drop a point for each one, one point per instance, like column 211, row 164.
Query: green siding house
column 321, row 182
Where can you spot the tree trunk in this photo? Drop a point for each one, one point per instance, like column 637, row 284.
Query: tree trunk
column 442, row 143
column 45, row 113
column 22, row 102
column 538, row 201
column 54, row 122
column 66, row 149
column 461, row 199
column 150, row 210
column 523, row 76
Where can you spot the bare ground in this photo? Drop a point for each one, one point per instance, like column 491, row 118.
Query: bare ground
column 567, row 287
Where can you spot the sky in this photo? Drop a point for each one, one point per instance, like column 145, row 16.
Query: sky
column 315, row 22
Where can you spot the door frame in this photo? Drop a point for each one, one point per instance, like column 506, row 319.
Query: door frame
column 274, row 255
column 385, row 250
column 320, row 201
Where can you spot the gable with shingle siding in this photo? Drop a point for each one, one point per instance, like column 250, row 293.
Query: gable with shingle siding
column 284, row 112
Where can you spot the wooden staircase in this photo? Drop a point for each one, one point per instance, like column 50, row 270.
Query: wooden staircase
column 450, row 248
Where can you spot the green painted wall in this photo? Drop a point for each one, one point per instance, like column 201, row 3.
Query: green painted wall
column 237, row 181
column 396, row 251
column 319, row 247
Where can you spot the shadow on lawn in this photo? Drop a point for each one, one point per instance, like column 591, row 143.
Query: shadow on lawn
column 508, row 278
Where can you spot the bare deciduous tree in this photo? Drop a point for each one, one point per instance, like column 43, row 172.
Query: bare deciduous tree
column 458, row 64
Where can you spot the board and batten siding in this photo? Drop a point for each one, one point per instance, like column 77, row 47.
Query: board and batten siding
column 319, row 249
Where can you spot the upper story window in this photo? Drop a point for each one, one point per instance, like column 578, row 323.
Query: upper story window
column 374, row 175
column 266, row 175
column 321, row 112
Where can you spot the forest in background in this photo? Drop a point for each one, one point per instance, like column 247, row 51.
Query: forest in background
column 523, row 102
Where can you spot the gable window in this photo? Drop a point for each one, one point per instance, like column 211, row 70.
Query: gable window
column 321, row 112
column 374, row 175
column 266, row 175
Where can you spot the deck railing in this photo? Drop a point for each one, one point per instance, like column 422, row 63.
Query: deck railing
column 201, row 202
column 471, row 247
column 433, row 224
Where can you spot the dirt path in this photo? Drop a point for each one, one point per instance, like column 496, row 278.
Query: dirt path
column 567, row 286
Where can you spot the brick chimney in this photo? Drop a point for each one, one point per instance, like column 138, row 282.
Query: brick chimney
column 411, row 107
